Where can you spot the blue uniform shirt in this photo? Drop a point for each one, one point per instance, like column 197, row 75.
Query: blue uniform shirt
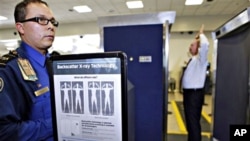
column 25, row 111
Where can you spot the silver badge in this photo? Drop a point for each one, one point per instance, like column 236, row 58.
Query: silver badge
column 1, row 84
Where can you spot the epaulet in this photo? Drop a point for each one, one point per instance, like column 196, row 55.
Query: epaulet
column 7, row 57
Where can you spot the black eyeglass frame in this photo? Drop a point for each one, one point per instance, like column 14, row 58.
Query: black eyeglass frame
column 39, row 19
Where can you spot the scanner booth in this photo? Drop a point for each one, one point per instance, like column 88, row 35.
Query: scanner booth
column 145, row 40
column 231, row 95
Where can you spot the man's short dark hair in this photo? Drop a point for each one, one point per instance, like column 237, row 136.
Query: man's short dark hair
column 21, row 9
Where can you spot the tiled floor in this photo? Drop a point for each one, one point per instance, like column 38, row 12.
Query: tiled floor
column 175, row 124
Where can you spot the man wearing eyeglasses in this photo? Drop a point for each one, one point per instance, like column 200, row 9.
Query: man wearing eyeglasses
column 25, row 112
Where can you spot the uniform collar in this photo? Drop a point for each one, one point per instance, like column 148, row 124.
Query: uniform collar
column 33, row 54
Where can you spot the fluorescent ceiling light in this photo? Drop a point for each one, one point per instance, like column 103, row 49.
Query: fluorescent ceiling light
column 193, row 2
column 82, row 9
column 10, row 44
column 10, row 48
column 134, row 4
column 3, row 18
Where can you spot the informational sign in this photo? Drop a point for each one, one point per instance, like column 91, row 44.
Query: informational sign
column 88, row 97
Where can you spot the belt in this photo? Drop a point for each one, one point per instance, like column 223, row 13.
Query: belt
column 194, row 89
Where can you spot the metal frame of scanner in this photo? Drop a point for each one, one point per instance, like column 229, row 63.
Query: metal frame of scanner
column 237, row 21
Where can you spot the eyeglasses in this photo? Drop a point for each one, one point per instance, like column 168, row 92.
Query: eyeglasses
column 42, row 21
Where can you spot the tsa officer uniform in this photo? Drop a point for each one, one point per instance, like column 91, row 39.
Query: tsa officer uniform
column 25, row 111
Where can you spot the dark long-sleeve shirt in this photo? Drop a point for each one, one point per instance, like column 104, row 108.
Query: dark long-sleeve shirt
column 25, row 111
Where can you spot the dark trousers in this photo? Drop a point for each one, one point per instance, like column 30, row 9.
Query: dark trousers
column 193, row 100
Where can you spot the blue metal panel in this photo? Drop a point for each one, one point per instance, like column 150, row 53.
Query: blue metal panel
column 146, row 76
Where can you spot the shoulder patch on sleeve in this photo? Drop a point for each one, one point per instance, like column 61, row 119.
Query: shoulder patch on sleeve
column 7, row 57
column 1, row 84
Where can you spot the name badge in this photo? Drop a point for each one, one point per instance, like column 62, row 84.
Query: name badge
column 41, row 91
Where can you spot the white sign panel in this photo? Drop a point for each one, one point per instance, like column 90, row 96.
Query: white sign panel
column 88, row 99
